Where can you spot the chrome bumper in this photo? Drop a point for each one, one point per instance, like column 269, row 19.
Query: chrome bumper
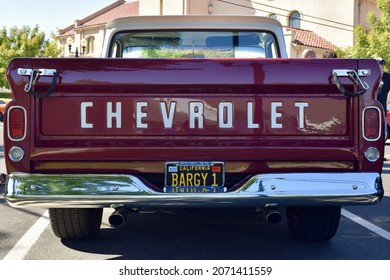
column 96, row 190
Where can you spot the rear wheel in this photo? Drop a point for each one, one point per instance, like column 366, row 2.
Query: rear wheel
column 313, row 223
column 75, row 223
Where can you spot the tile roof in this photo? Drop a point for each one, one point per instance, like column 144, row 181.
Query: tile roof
column 310, row 39
column 124, row 10
column 115, row 10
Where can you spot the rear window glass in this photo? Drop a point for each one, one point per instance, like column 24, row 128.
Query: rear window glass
column 194, row 44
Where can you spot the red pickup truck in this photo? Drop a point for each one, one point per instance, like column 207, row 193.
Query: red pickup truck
column 194, row 111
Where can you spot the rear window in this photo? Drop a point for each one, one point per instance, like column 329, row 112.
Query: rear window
column 194, row 44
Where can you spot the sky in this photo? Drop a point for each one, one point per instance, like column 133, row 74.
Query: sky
column 47, row 14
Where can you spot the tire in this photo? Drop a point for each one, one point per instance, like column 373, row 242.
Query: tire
column 75, row 223
column 1, row 117
column 313, row 223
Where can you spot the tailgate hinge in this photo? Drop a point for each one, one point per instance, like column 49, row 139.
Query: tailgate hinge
column 34, row 75
column 354, row 75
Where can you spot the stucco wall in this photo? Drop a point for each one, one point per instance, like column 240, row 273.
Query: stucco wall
column 333, row 19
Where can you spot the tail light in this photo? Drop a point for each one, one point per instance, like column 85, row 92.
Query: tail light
column 16, row 123
column 372, row 126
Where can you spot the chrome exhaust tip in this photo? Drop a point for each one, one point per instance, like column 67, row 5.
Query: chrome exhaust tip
column 272, row 216
column 118, row 217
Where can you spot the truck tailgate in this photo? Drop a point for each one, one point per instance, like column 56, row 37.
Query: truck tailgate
column 133, row 115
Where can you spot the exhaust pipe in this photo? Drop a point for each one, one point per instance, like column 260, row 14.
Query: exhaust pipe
column 273, row 216
column 118, row 218
column 3, row 178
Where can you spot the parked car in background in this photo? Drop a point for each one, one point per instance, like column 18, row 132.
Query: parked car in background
column 3, row 102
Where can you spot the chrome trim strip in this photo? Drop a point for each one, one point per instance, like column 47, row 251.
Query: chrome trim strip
column 98, row 190
column 345, row 72
column 43, row 72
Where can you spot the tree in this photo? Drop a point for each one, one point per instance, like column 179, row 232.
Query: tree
column 374, row 42
column 50, row 47
column 23, row 42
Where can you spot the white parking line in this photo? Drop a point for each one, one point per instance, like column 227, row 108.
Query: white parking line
column 370, row 226
column 19, row 251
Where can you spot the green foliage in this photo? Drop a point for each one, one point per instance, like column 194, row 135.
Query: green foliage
column 375, row 42
column 160, row 53
column 183, row 53
column 5, row 95
column 50, row 47
column 23, row 42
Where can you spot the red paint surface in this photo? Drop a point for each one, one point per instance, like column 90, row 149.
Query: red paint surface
column 331, row 132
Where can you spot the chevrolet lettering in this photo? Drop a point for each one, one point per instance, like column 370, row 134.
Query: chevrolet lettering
column 223, row 114
column 194, row 112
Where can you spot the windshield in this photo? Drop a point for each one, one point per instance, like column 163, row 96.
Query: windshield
column 194, row 44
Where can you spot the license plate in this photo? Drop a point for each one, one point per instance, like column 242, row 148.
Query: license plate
column 194, row 177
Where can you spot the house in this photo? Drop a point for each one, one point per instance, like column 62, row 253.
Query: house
column 85, row 36
column 306, row 25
